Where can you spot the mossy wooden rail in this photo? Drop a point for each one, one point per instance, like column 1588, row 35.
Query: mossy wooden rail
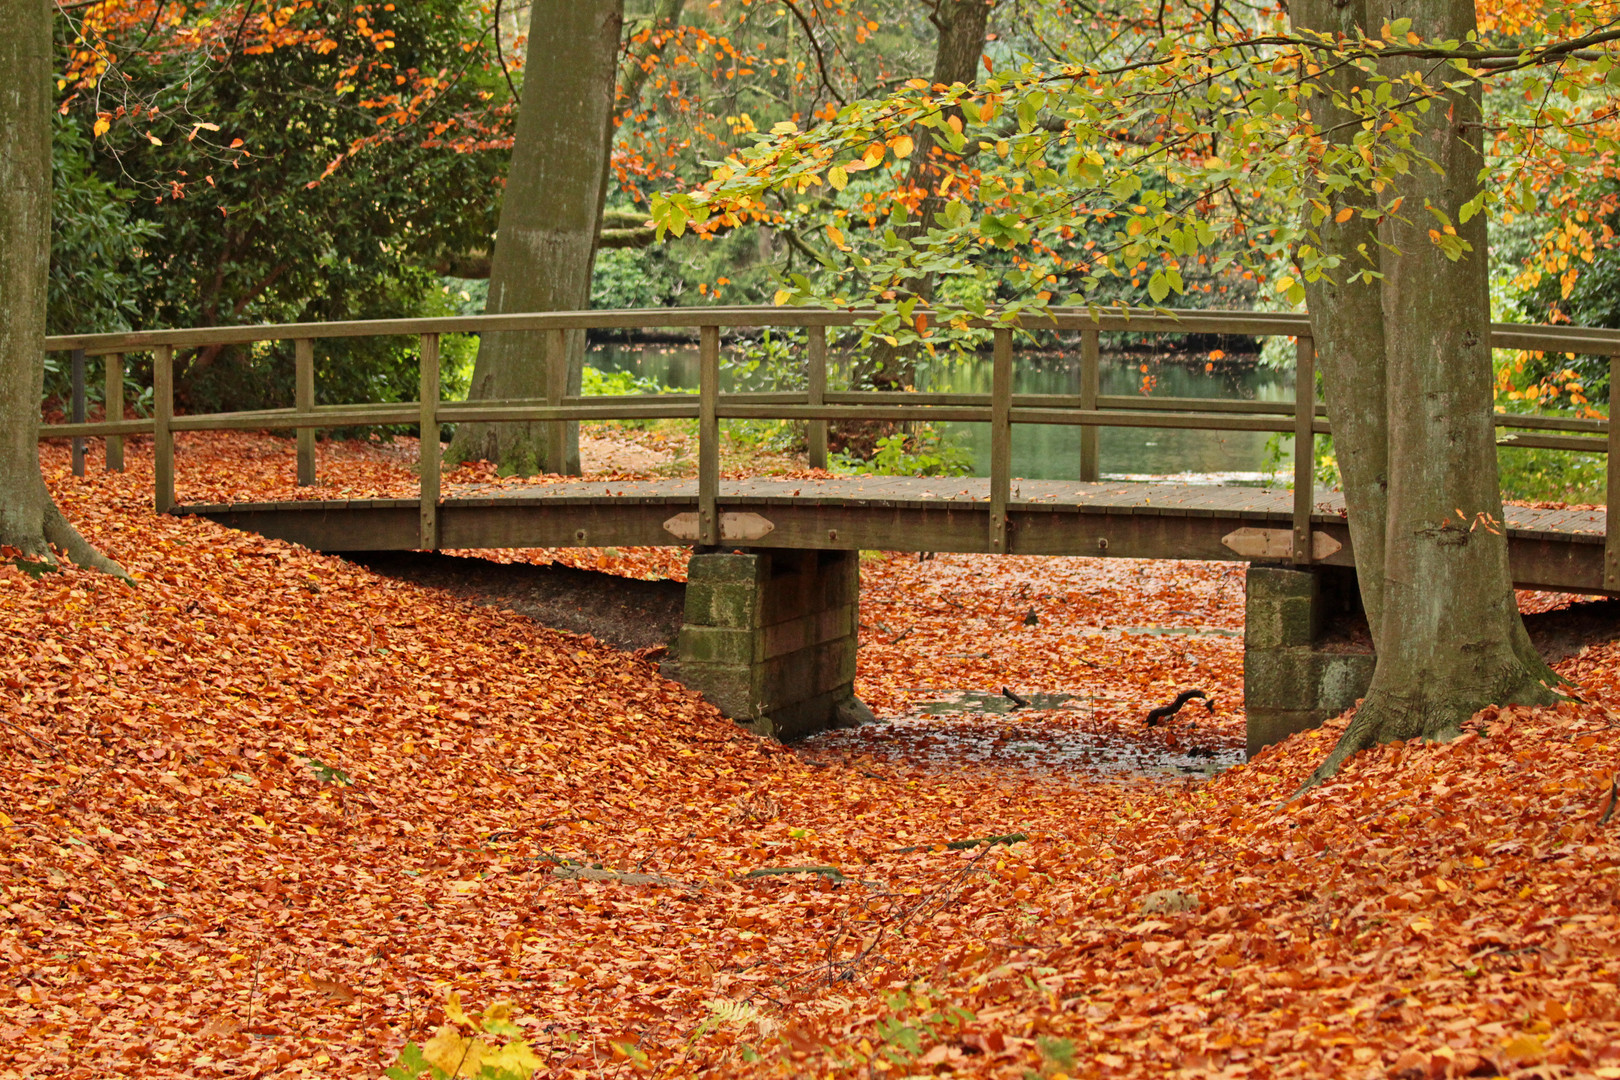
column 1087, row 408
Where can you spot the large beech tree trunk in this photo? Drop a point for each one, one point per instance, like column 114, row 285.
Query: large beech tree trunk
column 29, row 519
column 545, row 241
column 1449, row 637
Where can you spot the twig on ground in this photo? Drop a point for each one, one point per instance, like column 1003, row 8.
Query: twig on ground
column 52, row 747
column 963, row 845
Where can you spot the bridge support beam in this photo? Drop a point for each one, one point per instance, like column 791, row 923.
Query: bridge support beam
column 1297, row 673
column 769, row 638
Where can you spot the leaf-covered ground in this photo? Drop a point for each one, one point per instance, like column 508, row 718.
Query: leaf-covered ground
column 259, row 815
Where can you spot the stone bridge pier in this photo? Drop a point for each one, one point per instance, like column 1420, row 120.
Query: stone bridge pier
column 1303, row 660
column 769, row 638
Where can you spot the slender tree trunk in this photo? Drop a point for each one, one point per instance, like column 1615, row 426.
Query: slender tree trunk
column 962, row 27
column 29, row 519
column 1451, row 640
column 1347, row 317
column 545, row 243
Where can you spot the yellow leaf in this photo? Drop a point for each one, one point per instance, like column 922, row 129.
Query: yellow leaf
column 1523, row 1047
column 452, row 1010
column 781, row 297
column 903, row 146
column 515, row 1058
column 153, row 139
column 452, row 1053
column 1344, row 215
column 836, row 235
column 102, row 125
column 838, row 177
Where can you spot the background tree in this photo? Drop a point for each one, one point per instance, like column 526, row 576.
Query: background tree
column 29, row 519
column 545, row 242
column 306, row 164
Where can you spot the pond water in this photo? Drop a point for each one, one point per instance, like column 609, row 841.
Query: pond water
column 1051, row 452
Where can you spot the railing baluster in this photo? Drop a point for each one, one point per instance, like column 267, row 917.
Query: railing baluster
column 1001, row 438
column 428, row 530
column 817, row 435
column 162, row 437
column 1090, row 386
column 556, row 432
column 77, row 410
column 1611, row 534
column 708, row 436
column 304, row 401
column 114, row 396
column 1304, row 448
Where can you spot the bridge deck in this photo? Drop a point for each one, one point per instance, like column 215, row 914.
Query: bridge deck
column 1550, row 548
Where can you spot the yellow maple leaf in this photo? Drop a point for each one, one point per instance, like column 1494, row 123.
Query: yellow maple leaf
column 453, row 1011
column 515, row 1058
column 453, row 1054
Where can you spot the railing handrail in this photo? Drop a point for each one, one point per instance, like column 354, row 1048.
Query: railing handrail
column 1001, row 408
column 1534, row 337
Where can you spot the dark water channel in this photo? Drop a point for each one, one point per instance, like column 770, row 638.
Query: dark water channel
column 1051, row 452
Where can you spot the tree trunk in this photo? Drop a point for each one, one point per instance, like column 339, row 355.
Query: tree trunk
column 1347, row 318
column 29, row 519
column 1450, row 638
column 962, row 27
column 545, row 243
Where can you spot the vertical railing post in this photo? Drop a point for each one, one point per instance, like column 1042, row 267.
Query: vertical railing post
column 1611, row 534
column 556, row 432
column 1304, row 448
column 1090, row 385
column 817, row 434
column 76, row 410
column 709, row 436
column 430, row 454
column 304, row 402
column 162, row 436
column 1001, row 438
column 114, row 412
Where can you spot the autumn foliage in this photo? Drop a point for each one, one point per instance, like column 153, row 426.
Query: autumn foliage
column 264, row 813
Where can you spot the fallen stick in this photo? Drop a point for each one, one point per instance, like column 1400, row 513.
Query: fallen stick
column 963, row 845
column 1018, row 702
column 832, row 873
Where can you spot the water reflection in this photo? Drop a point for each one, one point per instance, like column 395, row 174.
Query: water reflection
column 1049, row 452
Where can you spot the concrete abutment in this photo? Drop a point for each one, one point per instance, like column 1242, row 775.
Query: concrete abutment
column 1300, row 667
column 769, row 638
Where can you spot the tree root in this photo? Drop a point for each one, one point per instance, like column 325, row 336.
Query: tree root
column 62, row 534
column 1438, row 715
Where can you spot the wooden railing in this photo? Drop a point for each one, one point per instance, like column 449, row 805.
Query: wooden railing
column 1088, row 409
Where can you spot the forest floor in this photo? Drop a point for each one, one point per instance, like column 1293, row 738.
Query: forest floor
column 272, row 813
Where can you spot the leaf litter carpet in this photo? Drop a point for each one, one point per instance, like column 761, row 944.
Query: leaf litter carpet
column 261, row 814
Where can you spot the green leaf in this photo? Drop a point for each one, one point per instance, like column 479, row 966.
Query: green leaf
column 410, row 1065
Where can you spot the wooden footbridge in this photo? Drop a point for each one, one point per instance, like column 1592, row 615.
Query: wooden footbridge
column 1569, row 550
